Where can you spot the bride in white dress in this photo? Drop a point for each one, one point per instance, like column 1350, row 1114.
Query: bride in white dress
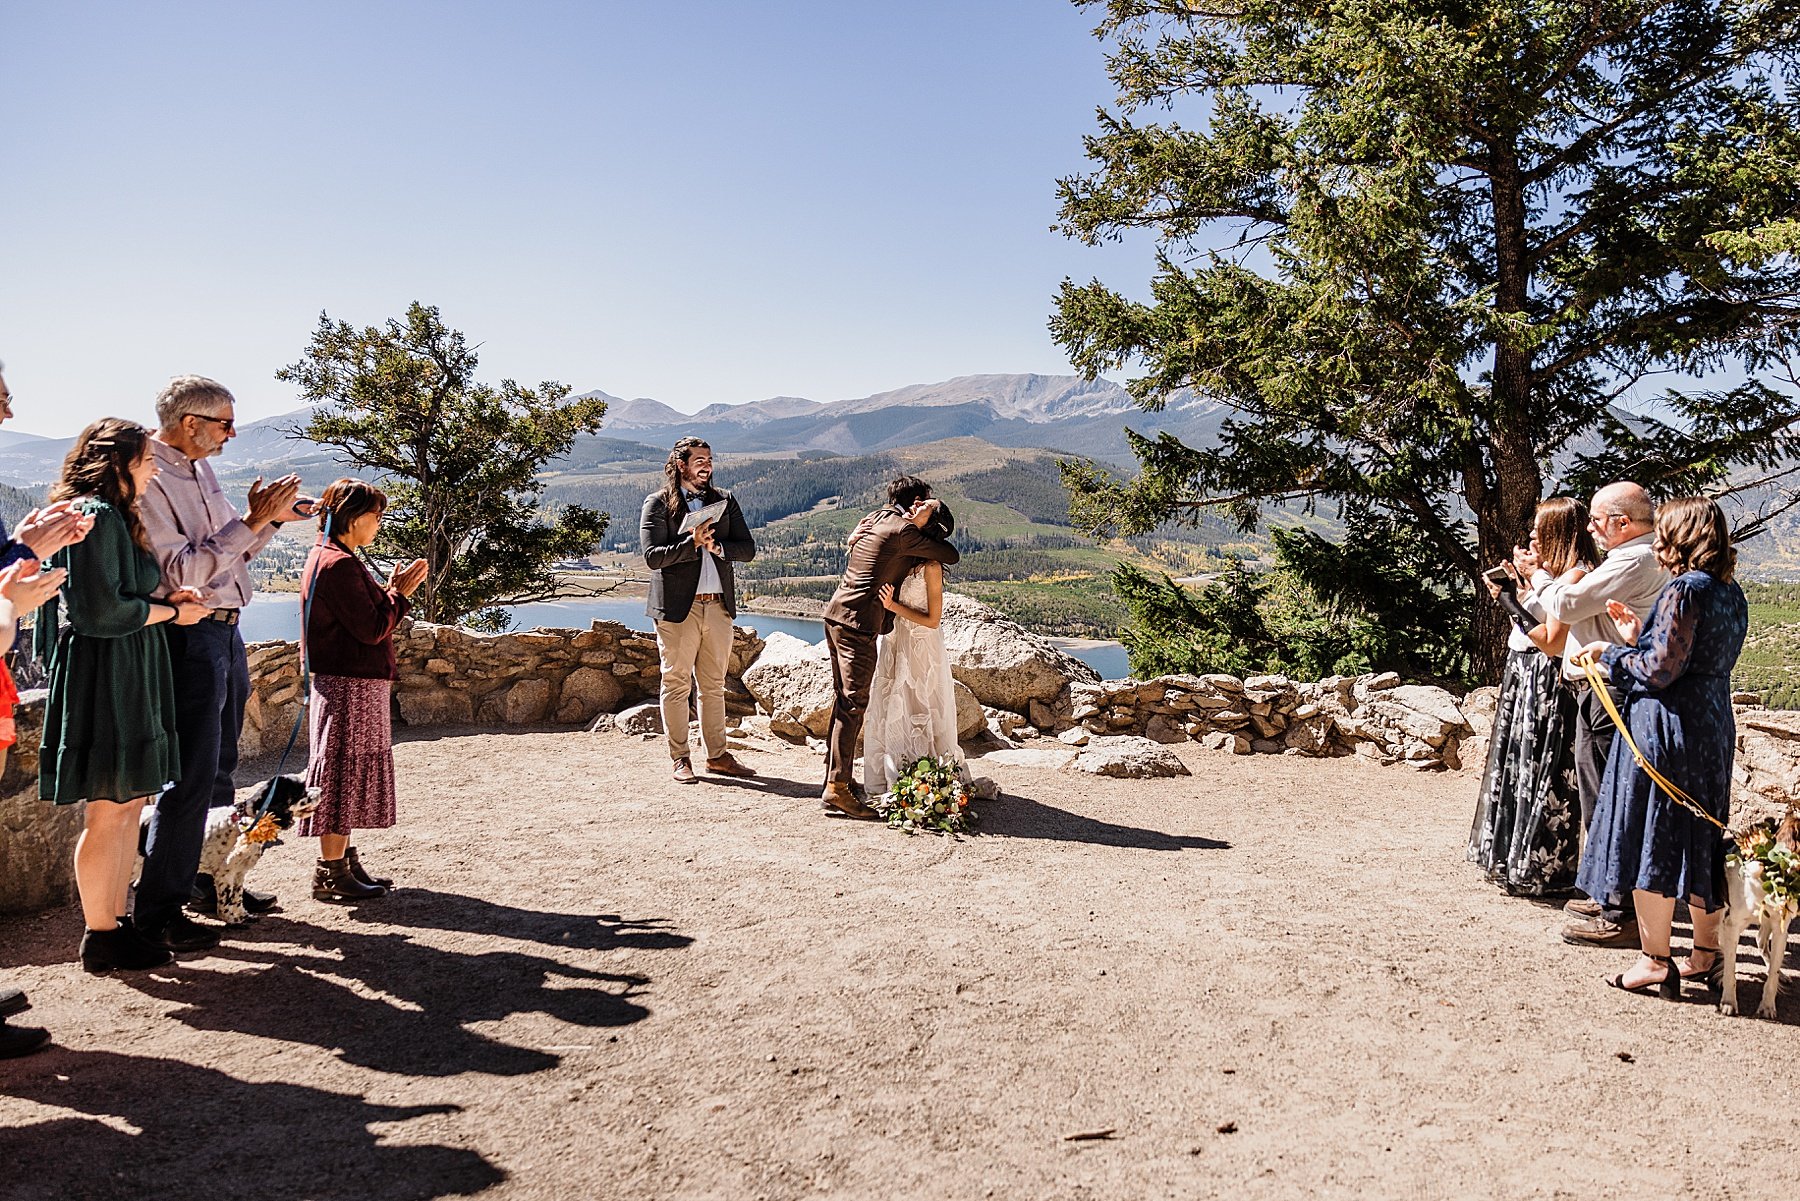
column 912, row 704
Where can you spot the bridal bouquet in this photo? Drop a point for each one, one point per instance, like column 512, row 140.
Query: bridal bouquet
column 1780, row 866
column 930, row 795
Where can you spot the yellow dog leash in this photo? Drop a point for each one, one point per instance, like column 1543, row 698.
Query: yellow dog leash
column 1598, row 683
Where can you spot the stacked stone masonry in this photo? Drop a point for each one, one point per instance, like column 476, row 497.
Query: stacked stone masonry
column 1012, row 687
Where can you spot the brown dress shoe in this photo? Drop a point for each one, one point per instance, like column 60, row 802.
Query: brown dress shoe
column 1583, row 907
column 839, row 797
column 727, row 765
column 1598, row 932
column 684, row 771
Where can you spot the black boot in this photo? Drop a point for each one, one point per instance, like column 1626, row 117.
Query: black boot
column 356, row 869
column 21, row 1040
column 332, row 881
column 119, row 950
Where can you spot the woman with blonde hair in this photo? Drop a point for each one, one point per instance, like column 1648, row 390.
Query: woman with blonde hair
column 109, row 722
column 1526, row 834
column 1676, row 670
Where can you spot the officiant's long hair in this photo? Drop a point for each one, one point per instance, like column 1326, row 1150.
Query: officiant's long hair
column 678, row 457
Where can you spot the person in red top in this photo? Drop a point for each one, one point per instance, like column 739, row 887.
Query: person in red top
column 349, row 645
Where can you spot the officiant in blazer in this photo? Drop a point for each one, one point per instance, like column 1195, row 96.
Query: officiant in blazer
column 693, row 600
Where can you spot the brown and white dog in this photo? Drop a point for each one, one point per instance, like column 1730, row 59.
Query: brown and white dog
column 1746, row 905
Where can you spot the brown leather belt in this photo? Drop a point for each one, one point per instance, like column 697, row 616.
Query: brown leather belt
column 703, row 597
column 225, row 617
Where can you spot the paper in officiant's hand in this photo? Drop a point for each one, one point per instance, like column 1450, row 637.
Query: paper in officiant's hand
column 704, row 515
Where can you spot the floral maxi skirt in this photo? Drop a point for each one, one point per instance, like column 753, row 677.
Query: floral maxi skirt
column 1528, row 816
column 352, row 757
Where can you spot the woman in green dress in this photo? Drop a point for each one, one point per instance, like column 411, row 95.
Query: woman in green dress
column 109, row 722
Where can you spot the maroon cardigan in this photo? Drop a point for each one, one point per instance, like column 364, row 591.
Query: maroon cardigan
column 350, row 618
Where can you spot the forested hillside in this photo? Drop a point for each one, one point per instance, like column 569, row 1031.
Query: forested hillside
column 1012, row 517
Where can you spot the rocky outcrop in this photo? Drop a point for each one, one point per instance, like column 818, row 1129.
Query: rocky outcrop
column 1765, row 774
column 1005, row 665
column 791, row 681
column 37, row 839
column 1128, row 759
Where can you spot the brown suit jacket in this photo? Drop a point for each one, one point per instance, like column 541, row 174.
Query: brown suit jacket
column 892, row 547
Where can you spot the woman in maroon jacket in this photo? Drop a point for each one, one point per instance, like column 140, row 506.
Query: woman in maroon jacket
column 349, row 643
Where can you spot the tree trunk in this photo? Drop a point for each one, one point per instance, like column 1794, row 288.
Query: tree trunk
column 1505, row 501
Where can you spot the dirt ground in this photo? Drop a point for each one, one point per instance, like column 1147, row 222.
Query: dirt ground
column 1275, row 979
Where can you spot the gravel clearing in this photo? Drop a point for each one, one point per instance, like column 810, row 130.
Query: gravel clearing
column 1274, row 978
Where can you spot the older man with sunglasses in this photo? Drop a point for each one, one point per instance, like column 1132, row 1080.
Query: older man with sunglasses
column 1622, row 519
column 201, row 542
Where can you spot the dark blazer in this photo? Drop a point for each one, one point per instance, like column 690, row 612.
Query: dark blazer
column 892, row 547
column 674, row 560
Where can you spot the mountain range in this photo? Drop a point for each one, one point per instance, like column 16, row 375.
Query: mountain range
column 1060, row 412
column 1057, row 411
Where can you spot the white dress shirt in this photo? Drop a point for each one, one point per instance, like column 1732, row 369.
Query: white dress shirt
column 1629, row 574
column 709, row 570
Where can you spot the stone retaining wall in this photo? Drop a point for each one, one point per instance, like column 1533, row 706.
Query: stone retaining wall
column 452, row 676
column 1026, row 689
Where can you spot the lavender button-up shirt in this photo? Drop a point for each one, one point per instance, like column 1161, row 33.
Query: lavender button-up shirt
column 196, row 535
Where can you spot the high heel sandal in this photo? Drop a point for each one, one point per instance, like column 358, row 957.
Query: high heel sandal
column 1713, row 977
column 1668, row 988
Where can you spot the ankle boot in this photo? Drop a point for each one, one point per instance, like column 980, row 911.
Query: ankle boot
column 356, row 869
column 332, row 881
column 119, row 950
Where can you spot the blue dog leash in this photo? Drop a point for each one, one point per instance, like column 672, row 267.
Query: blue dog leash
column 268, row 797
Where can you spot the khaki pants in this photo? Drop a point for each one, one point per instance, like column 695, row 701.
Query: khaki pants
column 699, row 646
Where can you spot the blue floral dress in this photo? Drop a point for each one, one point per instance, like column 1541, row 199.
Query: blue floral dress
column 1677, row 681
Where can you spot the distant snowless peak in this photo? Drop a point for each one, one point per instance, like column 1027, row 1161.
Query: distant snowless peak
column 1031, row 398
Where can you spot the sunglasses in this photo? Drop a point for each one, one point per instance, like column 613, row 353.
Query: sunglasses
column 228, row 424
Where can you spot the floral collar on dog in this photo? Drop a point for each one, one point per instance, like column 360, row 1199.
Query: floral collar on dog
column 259, row 828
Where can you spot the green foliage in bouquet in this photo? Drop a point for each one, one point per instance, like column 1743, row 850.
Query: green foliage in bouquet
column 1780, row 866
column 930, row 795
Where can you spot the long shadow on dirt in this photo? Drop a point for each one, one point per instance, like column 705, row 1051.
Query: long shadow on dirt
column 386, row 1002
column 201, row 1133
column 1014, row 816
column 428, row 909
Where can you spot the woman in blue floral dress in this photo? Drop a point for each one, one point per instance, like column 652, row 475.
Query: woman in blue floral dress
column 1677, row 676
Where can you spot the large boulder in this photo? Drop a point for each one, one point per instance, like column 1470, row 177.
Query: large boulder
column 1129, row 759
column 586, row 692
column 1765, row 773
column 1002, row 663
column 37, row 839
column 791, row 681
column 970, row 720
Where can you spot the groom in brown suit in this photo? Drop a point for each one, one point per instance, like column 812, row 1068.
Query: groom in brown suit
column 883, row 548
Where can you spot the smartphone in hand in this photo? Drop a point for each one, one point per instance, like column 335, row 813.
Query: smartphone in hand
column 1499, row 576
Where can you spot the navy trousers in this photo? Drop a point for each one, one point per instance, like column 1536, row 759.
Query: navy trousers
column 212, row 681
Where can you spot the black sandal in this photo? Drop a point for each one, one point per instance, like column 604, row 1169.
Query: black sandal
column 1668, row 988
column 1713, row 977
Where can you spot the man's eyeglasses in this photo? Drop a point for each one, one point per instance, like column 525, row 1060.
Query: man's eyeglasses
column 228, row 424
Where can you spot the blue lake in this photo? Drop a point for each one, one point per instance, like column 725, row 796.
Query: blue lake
column 277, row 615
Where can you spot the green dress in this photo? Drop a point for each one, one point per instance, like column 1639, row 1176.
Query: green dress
column 109, row 723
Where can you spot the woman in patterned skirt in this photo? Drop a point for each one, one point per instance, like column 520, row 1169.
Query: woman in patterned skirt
column 349, row 645
column 1526, row 831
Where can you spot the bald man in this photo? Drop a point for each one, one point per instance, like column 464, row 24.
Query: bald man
column 1622, row 518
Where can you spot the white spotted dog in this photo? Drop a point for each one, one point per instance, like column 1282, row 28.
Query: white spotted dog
column 1747, row 903
column 237, row 835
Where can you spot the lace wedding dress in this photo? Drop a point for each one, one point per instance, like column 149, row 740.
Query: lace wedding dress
column 912, row 706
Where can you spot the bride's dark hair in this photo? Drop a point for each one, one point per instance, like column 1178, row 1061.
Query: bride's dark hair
column 941, row 524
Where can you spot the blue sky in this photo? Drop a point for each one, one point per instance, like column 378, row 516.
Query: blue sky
column 698, row 202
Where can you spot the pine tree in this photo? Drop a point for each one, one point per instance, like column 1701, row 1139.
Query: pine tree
column 1455, row 234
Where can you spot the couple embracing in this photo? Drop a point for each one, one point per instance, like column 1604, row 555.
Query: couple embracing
column 888, row 666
